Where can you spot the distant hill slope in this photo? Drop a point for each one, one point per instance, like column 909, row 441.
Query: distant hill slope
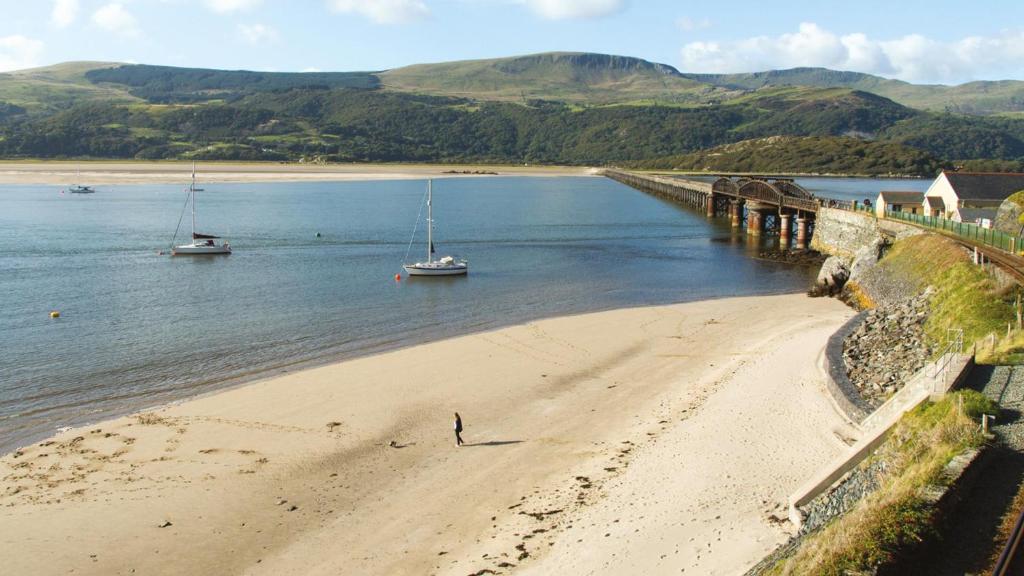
column 563, row 76
column 165, row 84
column 57, row 87
column 802, row 155
column 566, row 108
column 971, row 98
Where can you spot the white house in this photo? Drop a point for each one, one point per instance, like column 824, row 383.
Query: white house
column 899, row 201
column 970, row 196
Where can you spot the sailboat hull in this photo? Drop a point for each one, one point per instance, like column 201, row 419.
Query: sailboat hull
column 201, row 250
column 436, row 270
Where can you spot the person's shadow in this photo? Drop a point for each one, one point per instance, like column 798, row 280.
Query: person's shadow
column 494, row 443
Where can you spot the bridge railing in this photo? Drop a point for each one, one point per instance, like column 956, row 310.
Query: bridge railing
column 985, row 236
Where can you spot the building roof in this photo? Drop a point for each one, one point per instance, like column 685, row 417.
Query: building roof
column 985, row 185
column 936, row 202
column 900, row 197
column 972, row 214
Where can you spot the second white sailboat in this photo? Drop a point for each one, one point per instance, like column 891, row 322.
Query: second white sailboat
column 202, row 244
column 444, row 266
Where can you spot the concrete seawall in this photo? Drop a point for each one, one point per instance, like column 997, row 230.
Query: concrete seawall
column 844, row 394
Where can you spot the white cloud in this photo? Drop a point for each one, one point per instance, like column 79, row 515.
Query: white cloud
column 114, row 18
column 18, row 52
column 258, row 33
column 383, row 11
column 225, row 6
column 687, row 24
column 311, row 69
column 64, row 13
column 570, row 9
column 914, row 58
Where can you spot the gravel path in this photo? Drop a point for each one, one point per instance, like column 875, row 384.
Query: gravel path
column 966, row 542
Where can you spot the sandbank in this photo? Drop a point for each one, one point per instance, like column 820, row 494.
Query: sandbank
column 98, row 173
column 637, row 441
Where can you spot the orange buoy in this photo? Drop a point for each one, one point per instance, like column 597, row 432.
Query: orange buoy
column 55, row 314
column 398, row 277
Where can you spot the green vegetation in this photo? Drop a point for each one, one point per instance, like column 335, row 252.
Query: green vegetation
column 972, row 98
column 808, row 155
column 591, row 79
column 555, row 108
column 892, row 520
column 165, row 84
column 373, row 125
column 960, row 137
column 965, row 296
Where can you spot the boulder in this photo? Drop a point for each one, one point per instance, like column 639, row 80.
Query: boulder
column 832, row 276
column 1008, row 217
column 866, row 258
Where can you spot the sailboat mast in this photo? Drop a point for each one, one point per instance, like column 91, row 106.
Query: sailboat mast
column 430, row 220
column 192, row 191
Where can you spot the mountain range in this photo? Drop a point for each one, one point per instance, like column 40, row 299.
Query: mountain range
column 570, row 108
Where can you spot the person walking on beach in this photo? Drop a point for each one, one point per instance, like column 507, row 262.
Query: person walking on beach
column 458, row 429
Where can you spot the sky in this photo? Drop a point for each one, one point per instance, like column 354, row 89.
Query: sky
column 933, row 41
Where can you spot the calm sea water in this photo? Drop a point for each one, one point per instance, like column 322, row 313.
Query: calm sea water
column 138, row 329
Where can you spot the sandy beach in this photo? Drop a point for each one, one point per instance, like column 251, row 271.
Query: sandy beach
column 639, row 441
column 98, row 173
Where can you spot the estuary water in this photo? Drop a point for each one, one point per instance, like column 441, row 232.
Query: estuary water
column 139, row 329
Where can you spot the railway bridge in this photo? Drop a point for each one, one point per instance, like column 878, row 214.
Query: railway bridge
column 763, row 205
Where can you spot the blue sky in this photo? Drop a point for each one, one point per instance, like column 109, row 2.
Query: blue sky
column 915, row 40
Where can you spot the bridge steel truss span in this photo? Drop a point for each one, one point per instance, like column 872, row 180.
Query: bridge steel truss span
column 764, row 205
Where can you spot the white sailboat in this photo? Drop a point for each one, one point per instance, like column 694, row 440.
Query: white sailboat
column 202, row 244
column 445, row 266
column 78, row 188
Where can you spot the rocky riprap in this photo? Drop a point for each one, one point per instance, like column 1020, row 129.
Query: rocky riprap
column 887, row 349
column 798, row 257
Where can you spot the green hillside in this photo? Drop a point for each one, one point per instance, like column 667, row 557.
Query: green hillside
column 164, row 84
column 564, row 108
column 1005, row 96
column 53, row 88
column 803, row 155
column 563, row 76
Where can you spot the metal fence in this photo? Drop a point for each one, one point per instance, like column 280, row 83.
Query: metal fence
column 986, row 236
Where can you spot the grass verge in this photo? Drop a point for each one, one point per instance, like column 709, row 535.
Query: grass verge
column 965, row 296
column 898, row 515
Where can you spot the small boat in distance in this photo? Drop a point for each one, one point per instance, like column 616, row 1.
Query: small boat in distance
column 202, row 244
column 445, row 266
column 78, row 188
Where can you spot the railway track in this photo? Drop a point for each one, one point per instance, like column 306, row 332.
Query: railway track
column 1009, row 562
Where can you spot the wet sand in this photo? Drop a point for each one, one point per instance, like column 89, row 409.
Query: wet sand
column 636, row 441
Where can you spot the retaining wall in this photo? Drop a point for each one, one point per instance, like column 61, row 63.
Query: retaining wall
column 842, row 232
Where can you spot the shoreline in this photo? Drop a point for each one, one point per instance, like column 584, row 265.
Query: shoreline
column 318, row 439
column 255, row 376
column 104, row 172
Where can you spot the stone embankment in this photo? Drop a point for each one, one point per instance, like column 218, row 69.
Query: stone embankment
column 887, row 349
column 889, row 346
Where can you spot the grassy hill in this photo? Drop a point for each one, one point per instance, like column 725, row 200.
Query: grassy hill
column 1006, row 96
column 563, row 76
column 568, row 108
column 46, row 90
column 802, row 155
